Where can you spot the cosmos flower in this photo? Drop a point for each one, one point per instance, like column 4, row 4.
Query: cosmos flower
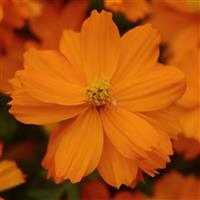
column 55, row 17
column 133, row 10
column 111, row 90
column 14, row 12
column 10, row 175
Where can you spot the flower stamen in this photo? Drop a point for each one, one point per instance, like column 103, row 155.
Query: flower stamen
column 99, row 91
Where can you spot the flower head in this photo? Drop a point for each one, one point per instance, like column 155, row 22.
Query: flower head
column 109, row 87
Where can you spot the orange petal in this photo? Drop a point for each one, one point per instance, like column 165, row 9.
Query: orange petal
column 99, row 45
column 139, row 52
column 129, row 133
column 54, row 141
column 154, row 91
column 158, row 157
column 10, row 175
column 116, row 169
column 70, row 47
column 80, row 148
column 51, row 88
column 32, row 111
column 50, row 62
column 165, row 121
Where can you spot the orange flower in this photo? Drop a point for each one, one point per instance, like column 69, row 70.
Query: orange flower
column 11, row 51
column 14, row 12
column 176, row 186
column 56, row 17
column 133, row 10
column 112, row 89
column 10, row 174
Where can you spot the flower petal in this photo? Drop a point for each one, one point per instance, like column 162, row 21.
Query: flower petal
column 139, row 53
column 51, row 63
column 116, row 169
column 164, row 120
column 99, row 45
column 31, row 111
column 158, row 157
column 129, row 133
column 150, row 92
column 54, row 141
column 50, row 89
column 80, row 148
column 70, row 47
column 10, row 175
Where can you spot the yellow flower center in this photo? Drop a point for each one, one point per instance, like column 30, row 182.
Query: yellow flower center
column 99, row 91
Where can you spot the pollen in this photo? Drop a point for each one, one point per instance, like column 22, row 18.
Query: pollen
column 99, row 92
